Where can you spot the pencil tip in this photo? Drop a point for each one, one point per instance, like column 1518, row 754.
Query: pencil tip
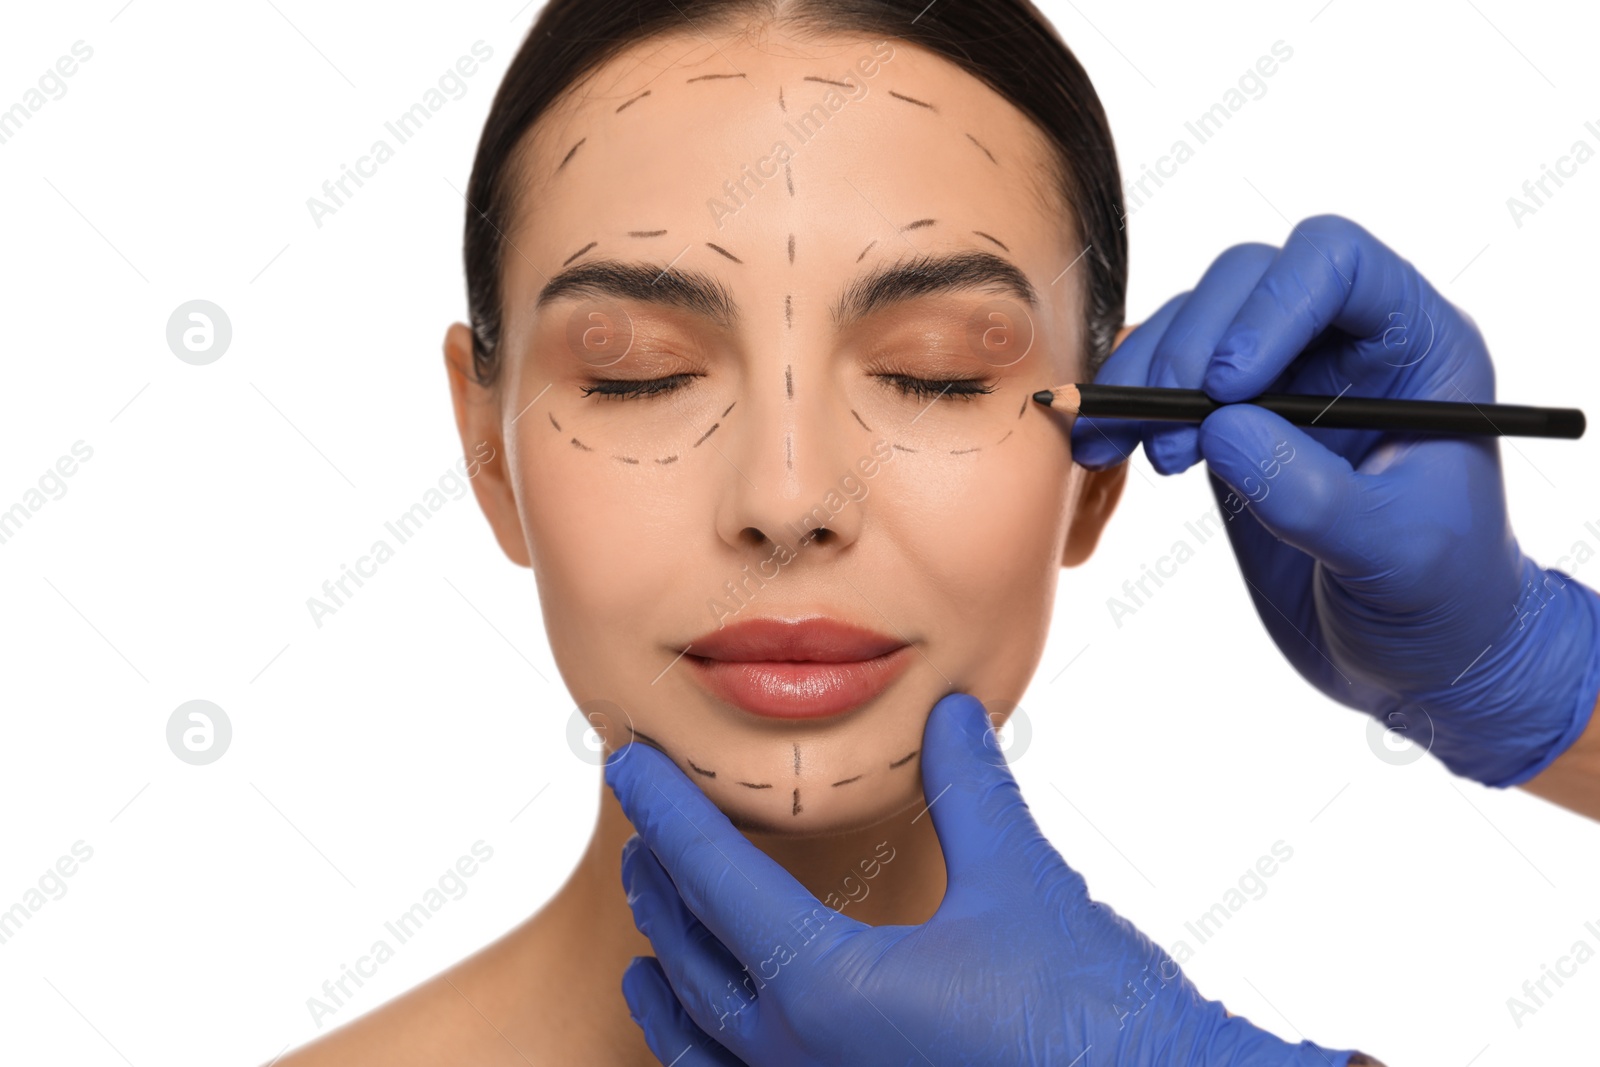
column 1045, row 397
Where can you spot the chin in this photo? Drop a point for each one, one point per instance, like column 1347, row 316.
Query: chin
column 827, row 816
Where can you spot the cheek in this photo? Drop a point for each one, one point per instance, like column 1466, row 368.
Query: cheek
column 599, row 536
column 992, row 521
column 988, row 538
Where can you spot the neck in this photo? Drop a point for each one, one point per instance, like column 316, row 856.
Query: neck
column 889, row 873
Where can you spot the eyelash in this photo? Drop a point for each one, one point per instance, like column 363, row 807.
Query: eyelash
column 921, row 388
column 929, row 388
column 626, row 388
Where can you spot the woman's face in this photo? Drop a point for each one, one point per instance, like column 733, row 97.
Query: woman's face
column 772, row 317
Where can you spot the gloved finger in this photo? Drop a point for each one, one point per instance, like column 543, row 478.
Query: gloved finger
column 668, row 1030
column 1184, row 350
column 701, row 971
column 1330, row 274
column 1099, row 443
column 1302, row 493
column 742, row 895
column 990, row 841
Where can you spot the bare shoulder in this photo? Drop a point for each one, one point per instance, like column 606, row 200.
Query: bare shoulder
column 501, row 1005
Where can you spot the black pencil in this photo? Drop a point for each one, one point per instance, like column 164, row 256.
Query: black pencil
column 1151, row 404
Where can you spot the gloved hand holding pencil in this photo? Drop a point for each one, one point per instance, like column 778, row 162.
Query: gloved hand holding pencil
column 1382, row 563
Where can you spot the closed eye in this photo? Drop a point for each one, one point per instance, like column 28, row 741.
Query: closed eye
column 628, row 388
column 930, row 388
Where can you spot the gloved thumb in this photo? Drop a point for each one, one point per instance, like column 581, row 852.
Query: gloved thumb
column 985, row 828
column 1300, row 491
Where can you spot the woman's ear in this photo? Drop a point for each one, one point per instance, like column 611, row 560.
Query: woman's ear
column 1097, row 500
column 477, row 411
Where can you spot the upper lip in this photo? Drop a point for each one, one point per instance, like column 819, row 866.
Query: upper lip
column 817, row 639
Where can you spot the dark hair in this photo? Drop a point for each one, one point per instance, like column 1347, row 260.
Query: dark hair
column 1007, row 44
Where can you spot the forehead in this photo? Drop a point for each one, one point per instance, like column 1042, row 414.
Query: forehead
column 841, row 143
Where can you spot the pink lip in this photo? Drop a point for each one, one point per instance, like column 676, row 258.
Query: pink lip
column 803, row 669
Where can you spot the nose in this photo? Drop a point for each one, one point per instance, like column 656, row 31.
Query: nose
column 792, row 474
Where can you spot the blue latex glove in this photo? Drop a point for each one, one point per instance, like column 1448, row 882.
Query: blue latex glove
column 1383, row 565
column 1018, row 966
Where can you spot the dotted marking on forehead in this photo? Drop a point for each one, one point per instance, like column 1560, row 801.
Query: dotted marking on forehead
column 723, row 251
column 912, row 100
column 791, row 249
column 788, row 381
column 964, row 451
column 756, row 785
column 709, row 77
column 828, row 81
column 579, row 444
column 630, row 103
column 985, row 151
column 788, row 310
column 918, row 225
column 903, row 448
column 996, row 240
column 846, row 781
column 707, row 434
column 788, row 450
column 570, row 152
column 788, row 177
column 580, row 252
column 647, row 233
column 669, row 459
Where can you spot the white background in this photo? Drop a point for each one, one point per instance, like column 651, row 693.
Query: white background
column 370, row 753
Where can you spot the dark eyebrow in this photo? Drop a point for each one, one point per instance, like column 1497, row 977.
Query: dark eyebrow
column 882, row 286
column 690, row 291
column 930, row 275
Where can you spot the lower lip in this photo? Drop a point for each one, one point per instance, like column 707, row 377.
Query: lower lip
column 801, row 690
